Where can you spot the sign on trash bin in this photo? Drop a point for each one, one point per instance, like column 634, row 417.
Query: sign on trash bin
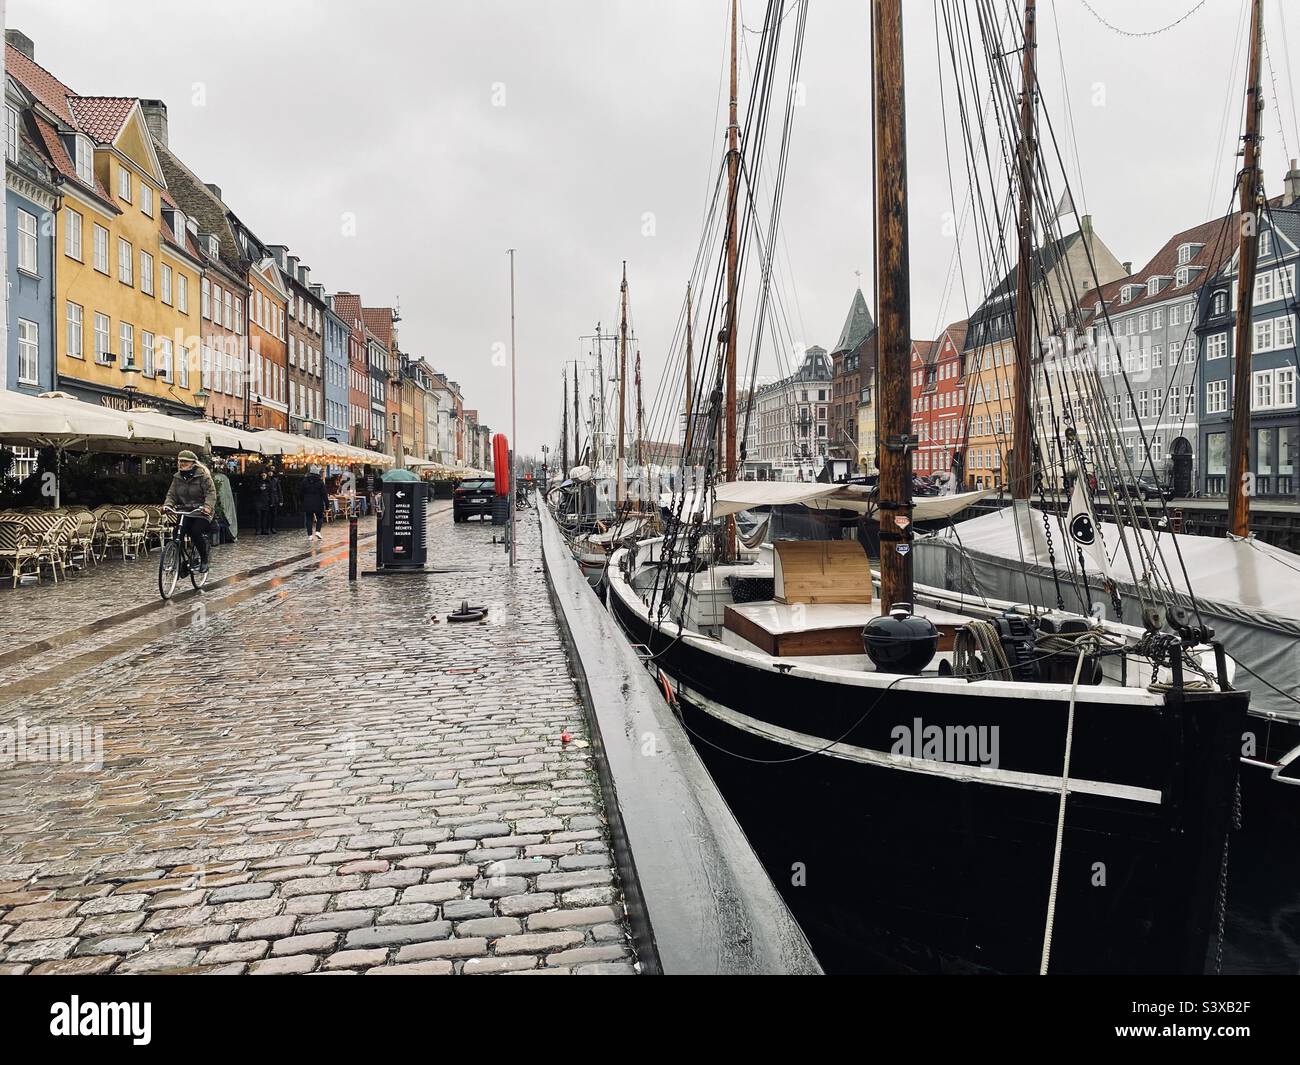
column 402, row 521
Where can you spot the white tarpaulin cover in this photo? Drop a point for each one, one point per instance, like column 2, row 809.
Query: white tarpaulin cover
column 1247, row 591
column 732, row 497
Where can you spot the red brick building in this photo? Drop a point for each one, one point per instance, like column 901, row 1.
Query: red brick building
column 938, row 401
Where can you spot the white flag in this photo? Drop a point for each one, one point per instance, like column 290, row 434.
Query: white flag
column 1084, row 532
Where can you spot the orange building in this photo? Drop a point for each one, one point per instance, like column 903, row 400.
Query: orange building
column 268, row 347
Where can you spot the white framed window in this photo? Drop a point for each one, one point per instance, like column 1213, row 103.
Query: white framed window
column 146, row 273
column 76, row 317
column 1216, row 346
column 182, row 294
column 28, row 351
column 1219, row 305
column 1144, row 322
column 1284, row 331
column 1189, row 352
column 1157, row 356
column 146, row 201
column 230, row 313
column 1286, row 282
column 205, row 298
column 126, row 344
column 124, row 267
column 1264, row 287
column 1266, row 243
column 124, row 183
column 214, row 246
column 1189, row 399
column 1175, row 314
column 216, row 303
column 1263, row 340
column 11, row 133
column 183, row 366
column 85, row 161
column 73, row 225
column 165, row 359
column 26, row 241
column 293, row 351
column 205, row 367
column 103, row 353
column 1158, row 318
column 1216, row 397
column 165, row 283
column 100, row 251
column 1284, row 386
column 1181, row 276
column 1261, row 395
column 239, row 316
column 146, row 353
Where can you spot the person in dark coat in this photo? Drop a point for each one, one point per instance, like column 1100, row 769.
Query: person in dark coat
column 313, row 501
column 277, row 498
column 194, row 493
column 262, row 503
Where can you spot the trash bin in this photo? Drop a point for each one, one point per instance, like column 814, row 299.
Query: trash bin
column 403, row 498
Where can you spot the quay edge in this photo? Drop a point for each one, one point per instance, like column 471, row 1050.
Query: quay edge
column 699, row 900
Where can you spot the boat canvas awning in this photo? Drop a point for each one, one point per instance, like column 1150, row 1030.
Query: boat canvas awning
column 731, row 497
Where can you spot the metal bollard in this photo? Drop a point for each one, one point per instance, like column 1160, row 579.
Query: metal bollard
column 352, row 547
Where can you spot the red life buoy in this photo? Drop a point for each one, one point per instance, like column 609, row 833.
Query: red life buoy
column 501, row 463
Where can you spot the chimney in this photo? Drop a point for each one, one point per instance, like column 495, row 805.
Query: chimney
column 1128, row 268
column 214, row 189
column 304, row 276
column 318, row 290
column 22, row 43
column 1085, row 225
column 1291, row 186
column 155, row 117
column 291, row 266
column 279, row 252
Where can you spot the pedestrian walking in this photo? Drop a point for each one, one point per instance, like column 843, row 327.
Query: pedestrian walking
column 277, row 498
column 262, row 503
column 313, row 501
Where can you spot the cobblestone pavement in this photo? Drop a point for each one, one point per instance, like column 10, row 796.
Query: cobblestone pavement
column 318, row 778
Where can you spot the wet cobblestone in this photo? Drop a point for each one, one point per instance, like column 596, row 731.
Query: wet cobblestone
column 317, row 778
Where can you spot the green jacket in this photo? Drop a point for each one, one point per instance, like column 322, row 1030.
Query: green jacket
column 189, row 493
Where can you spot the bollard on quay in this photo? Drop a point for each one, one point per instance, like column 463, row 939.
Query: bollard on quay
column 352, row 547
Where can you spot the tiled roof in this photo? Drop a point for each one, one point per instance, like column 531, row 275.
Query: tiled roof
column 347, row 305
column 1218, row 239
column 102, row 116
column 957, row 331
column 61, row 161
column 379, row 320
column 925, row 349
column 199, row 202
column 48, row 89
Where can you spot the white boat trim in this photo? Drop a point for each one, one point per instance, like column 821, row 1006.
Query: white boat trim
column 938, row 686
column 1007, row 778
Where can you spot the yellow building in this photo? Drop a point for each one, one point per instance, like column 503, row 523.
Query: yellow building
column 127, row 283
column 1063, row 272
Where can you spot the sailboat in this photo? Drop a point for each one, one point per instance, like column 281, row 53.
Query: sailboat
column 935, row 786
column 1239, row 586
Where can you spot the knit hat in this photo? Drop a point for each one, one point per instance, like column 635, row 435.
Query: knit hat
column 187, row 456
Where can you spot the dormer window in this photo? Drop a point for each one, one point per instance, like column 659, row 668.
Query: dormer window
column 1266, row 243
column 1129, row 292
column 1155, row 284
column 1188, row 252
column 85, row 160
column 1220, row 305
column 1185, row 275
column 214, row 246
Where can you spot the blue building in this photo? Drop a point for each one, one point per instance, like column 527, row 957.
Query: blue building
column 1274, row 414
column 337, row 333
column 30, row 203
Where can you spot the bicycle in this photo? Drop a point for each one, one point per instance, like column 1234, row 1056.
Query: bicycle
column 180, row 558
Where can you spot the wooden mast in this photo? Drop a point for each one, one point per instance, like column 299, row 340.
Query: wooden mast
column 577, row 421
column 733, row 168
column 564, row 428
column 690, row 383
column 1248, row 251
column 894, row 310
column 640, row 425
column 602, row 454
column 1022, row 446
column 622, row 389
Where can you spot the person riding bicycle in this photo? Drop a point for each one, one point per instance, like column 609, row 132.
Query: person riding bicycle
column 193, row 488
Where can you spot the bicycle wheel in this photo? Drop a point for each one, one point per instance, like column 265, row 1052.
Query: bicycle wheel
column 169, row 569
column 196, row 578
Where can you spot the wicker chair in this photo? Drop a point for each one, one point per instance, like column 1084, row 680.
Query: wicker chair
column 138, row 523
column 115, row 528
column 155, row 532
column 48, row 532
column 82, row 538
column 19, row 548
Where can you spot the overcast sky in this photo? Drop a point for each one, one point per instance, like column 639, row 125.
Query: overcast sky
column 455, row 129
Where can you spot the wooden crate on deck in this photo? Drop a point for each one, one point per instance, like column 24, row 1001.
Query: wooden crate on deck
column 821, row 571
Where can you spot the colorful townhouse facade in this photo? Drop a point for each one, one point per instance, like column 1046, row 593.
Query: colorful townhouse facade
column 338, row 393
column 939, row 419
column 853, row 368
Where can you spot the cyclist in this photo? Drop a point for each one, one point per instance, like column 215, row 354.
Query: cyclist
column 192, row 488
